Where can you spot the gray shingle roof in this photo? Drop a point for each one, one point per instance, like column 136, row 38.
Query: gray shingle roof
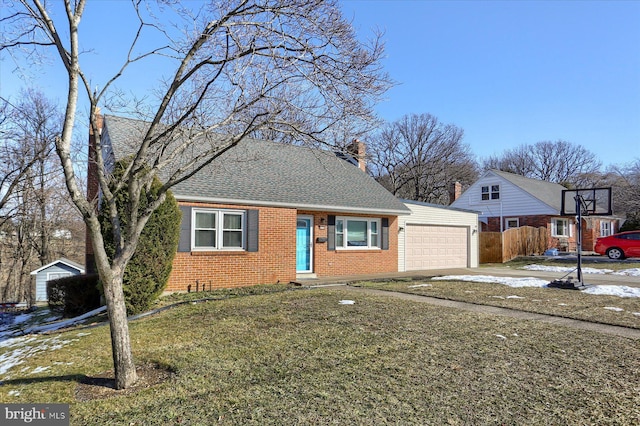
column 548, row 192
column 258, row 172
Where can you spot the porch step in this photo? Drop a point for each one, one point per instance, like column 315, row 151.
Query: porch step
column 306, row 276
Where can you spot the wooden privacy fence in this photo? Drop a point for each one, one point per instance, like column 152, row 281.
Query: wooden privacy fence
column 497, row 247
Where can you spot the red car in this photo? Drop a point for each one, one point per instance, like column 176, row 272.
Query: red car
column 619, row 246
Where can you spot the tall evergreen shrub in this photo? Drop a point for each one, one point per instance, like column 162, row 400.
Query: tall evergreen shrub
column 147, row 272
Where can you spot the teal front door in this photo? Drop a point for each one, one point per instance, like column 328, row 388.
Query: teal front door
column 303, row 244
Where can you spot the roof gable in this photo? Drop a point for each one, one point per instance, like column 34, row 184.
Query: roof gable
column 258, row 172
column 548, row 192
column 63, row 261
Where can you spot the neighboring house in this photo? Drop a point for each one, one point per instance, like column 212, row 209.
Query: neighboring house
column 54, row 270
column 435, row 237
column 506, row 200
column 266, row 212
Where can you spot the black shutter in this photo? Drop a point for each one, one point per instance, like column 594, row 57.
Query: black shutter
column 252, row 230
column 385, row 233
column 331, row 232
column 184, row 244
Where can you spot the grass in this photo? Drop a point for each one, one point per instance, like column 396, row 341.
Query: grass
column 563, row 303
column 300, row 357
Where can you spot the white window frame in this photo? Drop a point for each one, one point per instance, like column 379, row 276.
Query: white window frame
column 491, row 192
column 554, row 227
column 509, row 219
column 345, row 219
column 606, row 228
column 219, row 229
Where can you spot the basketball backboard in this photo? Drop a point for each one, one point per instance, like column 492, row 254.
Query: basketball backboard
column 592, row 201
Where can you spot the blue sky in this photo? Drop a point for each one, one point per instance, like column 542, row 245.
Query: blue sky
column 507, row 72
column 515, row 72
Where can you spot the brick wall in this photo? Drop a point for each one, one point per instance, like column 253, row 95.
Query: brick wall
column 275, row 260
column 351, row 262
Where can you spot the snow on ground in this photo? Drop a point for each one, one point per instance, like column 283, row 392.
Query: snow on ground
column 632, row 272
column 510, row 281
column 566, row 269
column 609, row 290
column 21, row 348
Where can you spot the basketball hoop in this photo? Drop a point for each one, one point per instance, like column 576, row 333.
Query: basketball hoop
column 582, row 202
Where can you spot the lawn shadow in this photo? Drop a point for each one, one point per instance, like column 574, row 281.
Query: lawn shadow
column 103, row 385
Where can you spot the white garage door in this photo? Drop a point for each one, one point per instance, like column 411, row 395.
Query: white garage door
column 435, row 247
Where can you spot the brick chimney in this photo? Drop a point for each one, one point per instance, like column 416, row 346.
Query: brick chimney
column 357, row 149
column 455, row 191
column 93, row 189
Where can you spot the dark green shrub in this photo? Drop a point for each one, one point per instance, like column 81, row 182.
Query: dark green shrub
column 631, row 224
column 74, row 295
column 147, row 273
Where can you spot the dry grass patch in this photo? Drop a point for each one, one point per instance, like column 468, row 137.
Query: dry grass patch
column 614, row 310
column 300, row 357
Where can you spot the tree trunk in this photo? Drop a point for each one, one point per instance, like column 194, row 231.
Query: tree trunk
column 123, row 364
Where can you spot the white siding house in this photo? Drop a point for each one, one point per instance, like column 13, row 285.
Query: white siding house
column 510, row 196
column 54, row 270
column 436, row 237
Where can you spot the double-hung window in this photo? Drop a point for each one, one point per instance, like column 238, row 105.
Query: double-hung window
column 217, row 229
column 491, row 192
column 354, row 233
column 605, row 228
column 560, row 228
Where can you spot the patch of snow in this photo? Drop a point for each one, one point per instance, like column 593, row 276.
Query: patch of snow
column 636, row 314
column 515, row 297
column 512, row 282
column 13, row 393
column 565, row 269
column 420, row 285
column 500, row 336
column 65, row 323
column 39, row 370
column 22, row 348
column 562, row 304
column 346, row 302
column 613, row 290
column 633, row 272
column 613, row 308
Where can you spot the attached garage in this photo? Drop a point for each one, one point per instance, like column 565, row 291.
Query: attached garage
column 437, row 237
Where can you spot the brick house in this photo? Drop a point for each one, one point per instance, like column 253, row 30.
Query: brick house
column 506, row 200
column 266, row 212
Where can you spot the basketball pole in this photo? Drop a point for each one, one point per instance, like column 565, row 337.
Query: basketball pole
column 578, row 200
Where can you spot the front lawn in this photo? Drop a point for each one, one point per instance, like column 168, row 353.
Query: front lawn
column 302, row 357
column 613, row 310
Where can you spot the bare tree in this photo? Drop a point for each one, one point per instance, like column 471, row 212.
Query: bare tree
column 560, row 161
column 625, row 183
column 234, row 67
column 29, row 175
column 419, row 158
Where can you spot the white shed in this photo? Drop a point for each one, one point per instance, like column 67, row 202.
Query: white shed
column 437, row 237
column 54, row 270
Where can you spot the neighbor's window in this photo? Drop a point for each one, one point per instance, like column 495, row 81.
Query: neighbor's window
column 513, row 223
column 560, row 228
column 357, row 233
column 491, row 192
column 217, row 229
column 605, row 229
